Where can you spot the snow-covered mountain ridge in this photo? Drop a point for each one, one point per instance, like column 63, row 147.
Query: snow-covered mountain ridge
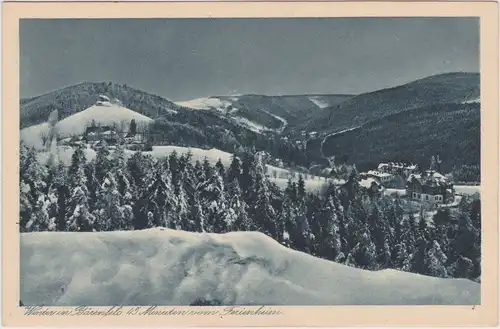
column 166, row 267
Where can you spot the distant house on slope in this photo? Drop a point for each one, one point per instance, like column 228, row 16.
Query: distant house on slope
column 94, row 134
column 103, row 100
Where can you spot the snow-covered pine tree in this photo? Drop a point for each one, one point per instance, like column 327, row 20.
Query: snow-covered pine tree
column 40, row 220
column 234, row 171
column 208, row 170
column 263, row 212
column 366, row 256
column 442, row 226
column 221, row 170
column 405, row 243
column 118, row 159
column 79, row 217
column 197, row 218
column 180, row 217
column 301, row 188
column 127, row 198
column 32, row 182
column 247, row 178
column 140, row 169
column 464, row 246
column 214, row 202
column 331, row 246
column 287, row 218
column 475, row 216
column 110, row 212
column 436, row 261
column 173, row 165
column 238, row 219
column 419, row 263
column 26, row 206
column 379, row 230
column 102, row 162
column 93, row 185
column 159, row 197
column 199, row 173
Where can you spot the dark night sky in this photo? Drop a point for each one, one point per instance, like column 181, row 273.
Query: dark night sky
column 182, row 59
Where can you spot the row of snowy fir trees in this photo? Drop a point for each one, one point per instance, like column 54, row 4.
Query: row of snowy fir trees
column 113, row 192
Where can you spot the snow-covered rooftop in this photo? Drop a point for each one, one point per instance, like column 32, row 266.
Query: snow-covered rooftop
column 367, row 182
column 378, row 173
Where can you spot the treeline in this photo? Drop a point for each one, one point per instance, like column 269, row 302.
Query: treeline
column 466, row 173
column 113, row 193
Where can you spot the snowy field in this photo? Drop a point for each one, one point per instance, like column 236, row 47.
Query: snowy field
column 206, row 103
column 467, row 189
column 166, row 267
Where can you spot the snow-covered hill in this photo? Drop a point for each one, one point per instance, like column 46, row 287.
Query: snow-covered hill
column 166, row 267
column 76, row 124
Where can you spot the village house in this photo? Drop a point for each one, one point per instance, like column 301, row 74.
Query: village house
column 396, row 168
column 371, row 187
column 383, row 177
column 100, row 133
column 431, row 187
column 103, row 101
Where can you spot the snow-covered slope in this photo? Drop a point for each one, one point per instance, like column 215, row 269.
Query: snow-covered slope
column 76, row 124
column 166, row 267
column 319, row 102
column 32, row 136
column 206, row 103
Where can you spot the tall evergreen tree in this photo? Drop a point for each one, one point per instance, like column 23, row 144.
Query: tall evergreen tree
column 102, row 162
column 436, row 260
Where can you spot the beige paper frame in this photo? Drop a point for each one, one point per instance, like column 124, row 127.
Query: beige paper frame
column 484, row 314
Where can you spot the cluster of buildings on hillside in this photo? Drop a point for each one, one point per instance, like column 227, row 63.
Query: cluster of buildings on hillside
column 97, row 134
column 424, row 186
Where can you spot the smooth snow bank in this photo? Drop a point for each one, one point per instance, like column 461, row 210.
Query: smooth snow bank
column 166, row 267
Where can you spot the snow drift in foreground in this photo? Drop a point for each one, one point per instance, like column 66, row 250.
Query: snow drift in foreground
column 167, row 267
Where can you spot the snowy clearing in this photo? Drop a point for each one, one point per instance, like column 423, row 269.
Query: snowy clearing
column 476, row 100
column 166, row 267
column 206, row 103
column 319, row 102
column 467, row 189
column 32, row 135
column 255, row 127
